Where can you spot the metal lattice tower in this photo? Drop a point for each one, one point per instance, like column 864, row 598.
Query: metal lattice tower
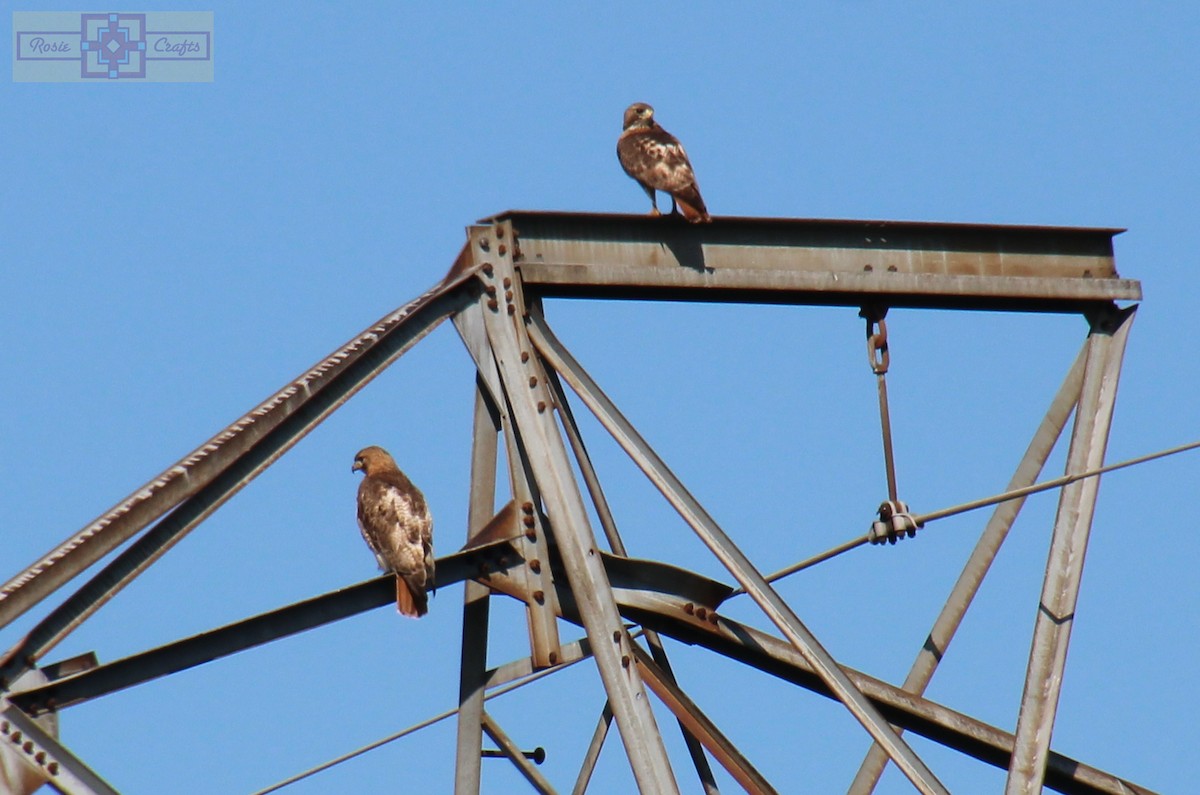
column 542, row 549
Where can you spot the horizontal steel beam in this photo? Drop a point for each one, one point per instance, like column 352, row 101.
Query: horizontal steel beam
column 967, row 266
column 257, row 630
column 904, row 290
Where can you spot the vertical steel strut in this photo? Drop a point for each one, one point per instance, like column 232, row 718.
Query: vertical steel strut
column 1068, row 545
column 473, row 670
column 526, row 390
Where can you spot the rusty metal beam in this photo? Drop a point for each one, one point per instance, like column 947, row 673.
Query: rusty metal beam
column 682, row 605
column 708, row 782
column 723, row 548
column 201, row 482
column 819, row 262
column 593, row 751
column 906, row 710
column 62, row 769
column 540, row 615
column 675, row 602
column 604, row 513
column 248, row 633
column 547, row 460
column 473, row 664
column 523, row 667
column 1068, row 546
column 993, row 536
column 513, row 752
column 701, row 726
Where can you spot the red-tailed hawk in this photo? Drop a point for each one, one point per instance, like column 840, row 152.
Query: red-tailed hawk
column 396, row 524
column 656, row 159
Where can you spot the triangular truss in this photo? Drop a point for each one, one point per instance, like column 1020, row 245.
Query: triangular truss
column 542, row 548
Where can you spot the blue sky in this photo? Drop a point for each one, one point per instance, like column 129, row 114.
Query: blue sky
column 174, row 253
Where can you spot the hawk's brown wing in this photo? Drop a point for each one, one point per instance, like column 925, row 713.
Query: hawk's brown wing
column 657, row 160
column 396, row 524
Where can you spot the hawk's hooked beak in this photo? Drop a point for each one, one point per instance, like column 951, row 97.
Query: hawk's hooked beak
column 356, row 466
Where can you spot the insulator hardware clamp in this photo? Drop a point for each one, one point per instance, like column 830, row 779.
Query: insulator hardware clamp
column 895, row 523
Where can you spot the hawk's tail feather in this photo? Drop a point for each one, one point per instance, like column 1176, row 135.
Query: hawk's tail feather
column 411, row 602
column 691, row 205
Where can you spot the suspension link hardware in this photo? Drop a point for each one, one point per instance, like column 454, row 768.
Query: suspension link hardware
column 880, row 359
column 877, row 343
column 895, row 523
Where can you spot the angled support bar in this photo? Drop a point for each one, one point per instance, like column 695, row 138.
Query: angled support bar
column 206, row 479
column 593, row 752
column 513, row 752
column 700, row 726
column 47, row 756
column 666, row 599
column 476, row 605
column 732, row 558
column 251, row 632
column 695, row 749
